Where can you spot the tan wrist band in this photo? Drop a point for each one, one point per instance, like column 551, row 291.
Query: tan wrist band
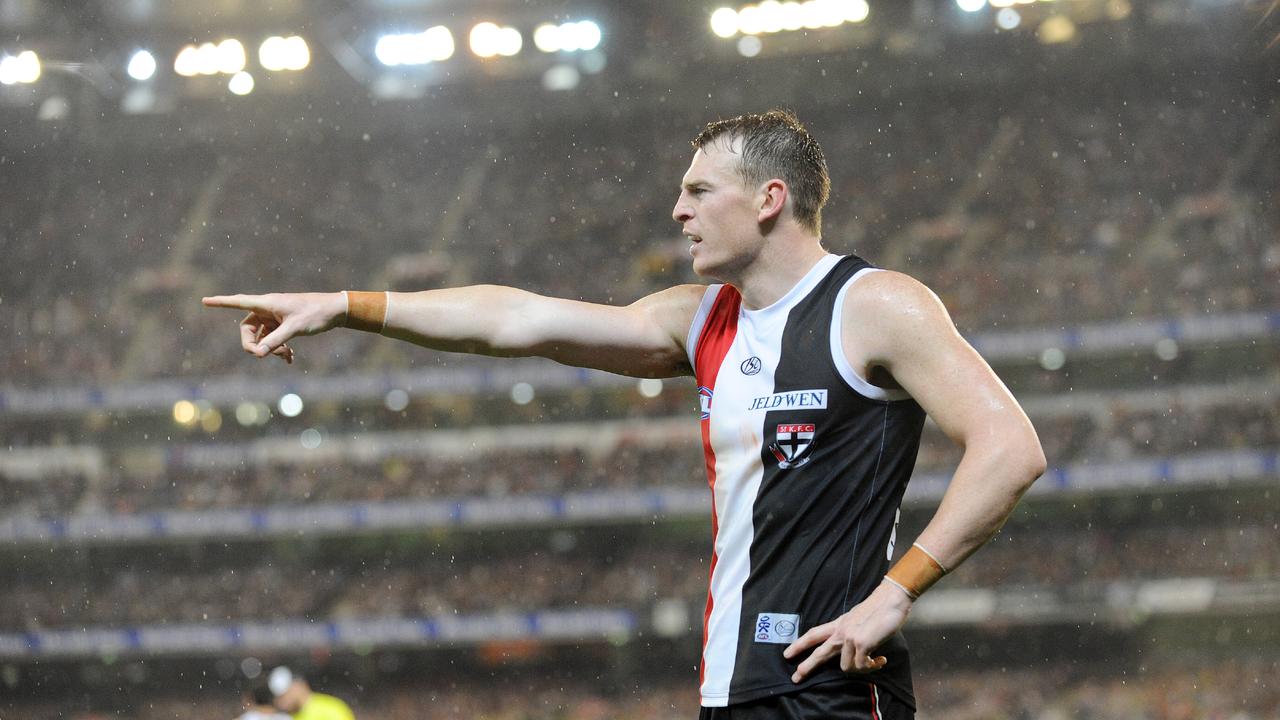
column 366, row 310
column 916, row 571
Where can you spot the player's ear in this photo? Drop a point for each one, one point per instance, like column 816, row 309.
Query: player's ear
column 772, row 198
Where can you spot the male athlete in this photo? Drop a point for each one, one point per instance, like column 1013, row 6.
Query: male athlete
column 815, row 373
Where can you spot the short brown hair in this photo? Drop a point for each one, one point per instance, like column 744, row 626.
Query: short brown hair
column 776, row 145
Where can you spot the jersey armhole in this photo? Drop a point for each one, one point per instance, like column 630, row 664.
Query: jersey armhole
column 859, row 384
column 700, row 320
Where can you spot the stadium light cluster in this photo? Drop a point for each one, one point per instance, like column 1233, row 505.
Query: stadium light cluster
column 772, row 16
column 567, row 37
column 226, row 57
column 21, row 68
column 431, row 45
column 284, row 53
column 490, row 40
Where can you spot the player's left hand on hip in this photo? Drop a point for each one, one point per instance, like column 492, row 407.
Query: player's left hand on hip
column 854, row 636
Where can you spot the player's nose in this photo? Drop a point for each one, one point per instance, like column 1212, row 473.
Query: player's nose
column 681, row 212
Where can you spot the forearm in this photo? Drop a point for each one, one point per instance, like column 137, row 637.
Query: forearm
column 987, row 484
column 481, row 319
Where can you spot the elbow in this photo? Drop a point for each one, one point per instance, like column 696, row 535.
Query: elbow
column 1019, row 458
column 1030, row 460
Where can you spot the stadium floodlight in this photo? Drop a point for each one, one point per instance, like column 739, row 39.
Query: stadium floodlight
column 585, row 35
column 857, row 11
column 772, row 16
column 432, row 45
column 750, row 20
column 207, row 59
column 568, row 37
column 971, row 5
column 21, row 68
column 488, row 40
column 792, row 16
column 284, row 53
column 724, row 22
column 187, row 63
column 142, row 66
column 546, row 37
column 231, row 56
column 241, row 83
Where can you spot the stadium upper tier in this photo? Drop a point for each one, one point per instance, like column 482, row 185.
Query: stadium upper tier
column 1018, row 214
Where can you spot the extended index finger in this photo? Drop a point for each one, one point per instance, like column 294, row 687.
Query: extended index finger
column 243, row 302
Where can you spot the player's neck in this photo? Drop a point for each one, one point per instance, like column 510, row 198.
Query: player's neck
column 779, row 268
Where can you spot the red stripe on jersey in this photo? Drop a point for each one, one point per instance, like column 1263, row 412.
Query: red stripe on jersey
column 717, row 336
column 875, row 702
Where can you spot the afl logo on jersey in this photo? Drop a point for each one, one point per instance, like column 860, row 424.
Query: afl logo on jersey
column 750, row 366
column 792, row 443
column 704, row 401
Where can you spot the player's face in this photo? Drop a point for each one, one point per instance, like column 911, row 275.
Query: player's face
column 718, row 213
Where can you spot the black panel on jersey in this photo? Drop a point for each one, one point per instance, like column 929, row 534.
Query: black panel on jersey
column 822, row 528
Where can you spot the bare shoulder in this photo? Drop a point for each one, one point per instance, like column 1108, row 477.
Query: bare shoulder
column 673, row 309
column 893, row 293
column 887, row 314
column 677, row 296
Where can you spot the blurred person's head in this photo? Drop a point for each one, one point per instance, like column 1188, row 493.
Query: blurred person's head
column 291, row 691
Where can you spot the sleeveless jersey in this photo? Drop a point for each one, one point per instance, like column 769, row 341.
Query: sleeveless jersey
column 807, row 463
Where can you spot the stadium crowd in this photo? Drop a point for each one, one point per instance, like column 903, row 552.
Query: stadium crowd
column 1241, row 688
column 179, row 480
column 633, row 573
column 1011, row 210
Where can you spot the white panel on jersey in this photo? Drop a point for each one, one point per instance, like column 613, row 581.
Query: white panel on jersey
column 858, row 383
column 737, row 437
column 699, row 320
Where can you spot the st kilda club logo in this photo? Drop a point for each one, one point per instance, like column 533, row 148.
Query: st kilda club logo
column 792, row 443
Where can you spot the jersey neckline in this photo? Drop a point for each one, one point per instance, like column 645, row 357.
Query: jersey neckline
column 802, row 288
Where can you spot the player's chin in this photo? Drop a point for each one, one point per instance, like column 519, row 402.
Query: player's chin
column 703, row 267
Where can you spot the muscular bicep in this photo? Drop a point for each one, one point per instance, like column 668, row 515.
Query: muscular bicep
column 644, row 339
column 897, row 324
